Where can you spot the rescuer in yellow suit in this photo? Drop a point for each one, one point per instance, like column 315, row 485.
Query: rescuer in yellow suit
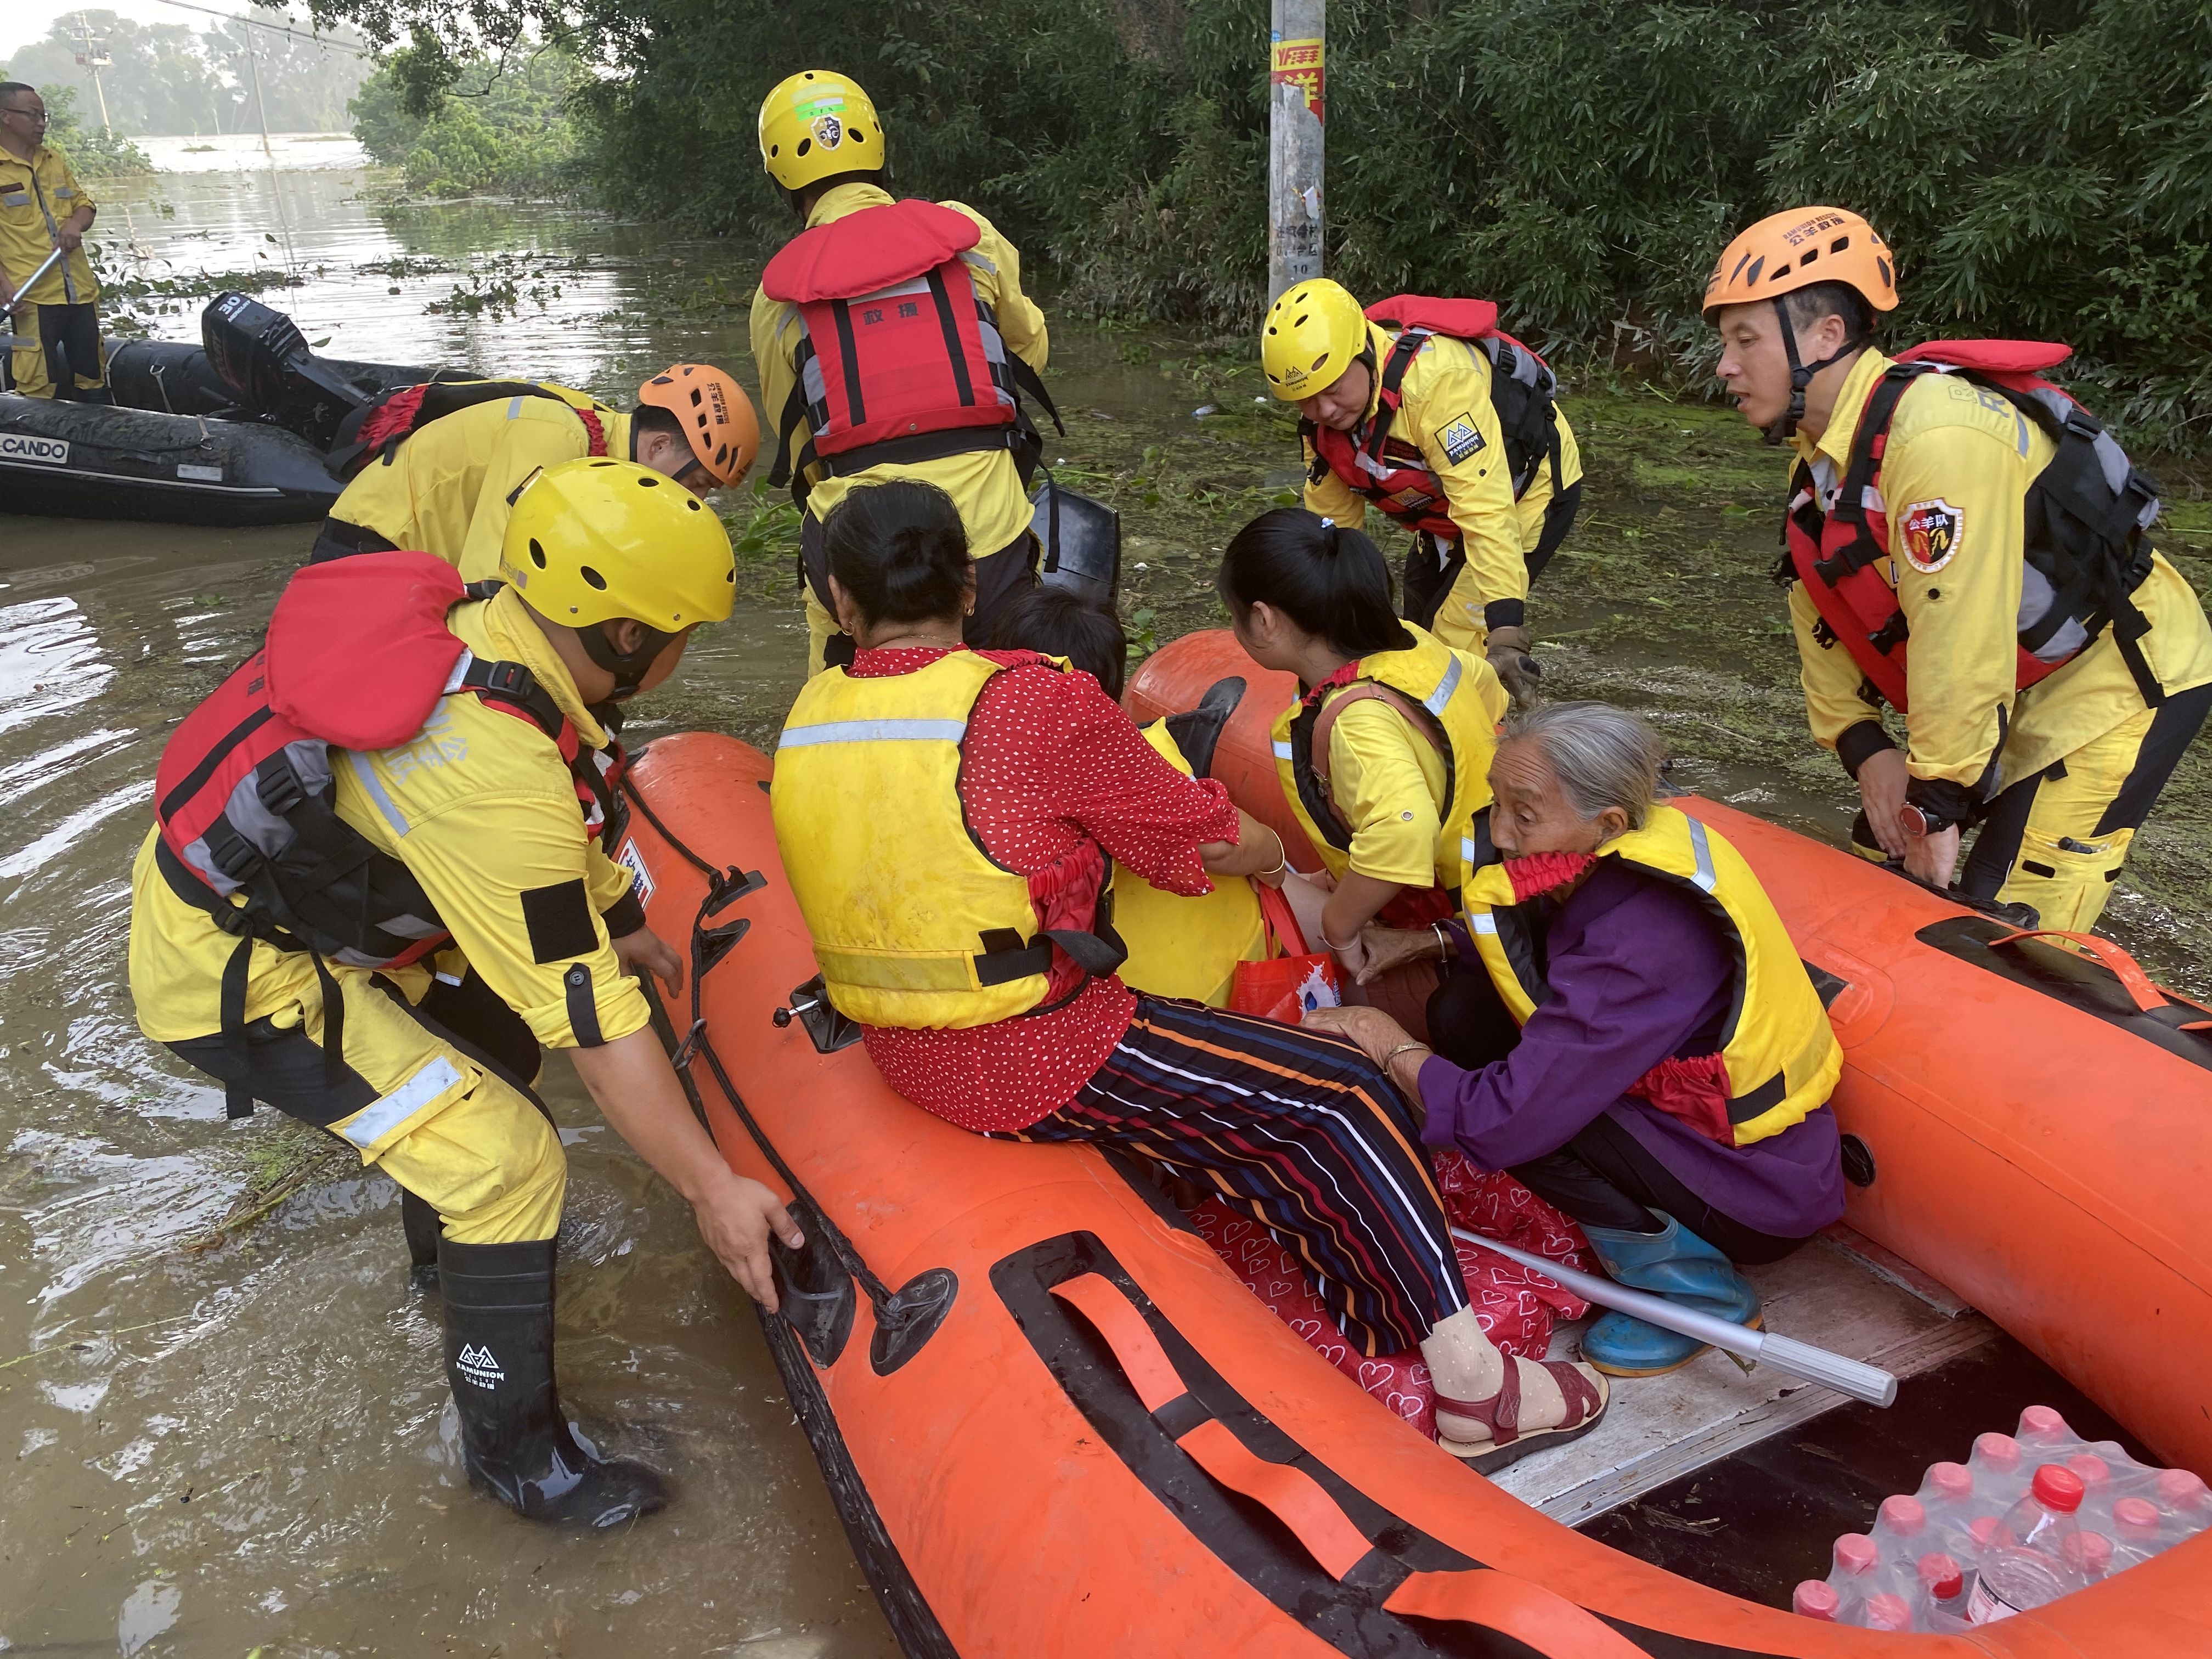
column 42, row 208
column 447, row 486
column 481, row 810
column 1486, row 519
column 821, row 141
column 2051, row 720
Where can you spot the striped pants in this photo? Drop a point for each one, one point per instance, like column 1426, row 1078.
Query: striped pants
column 1299, row 1131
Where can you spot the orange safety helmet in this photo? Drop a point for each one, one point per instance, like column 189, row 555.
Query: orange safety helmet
column 717, row 416
column 1798, row 248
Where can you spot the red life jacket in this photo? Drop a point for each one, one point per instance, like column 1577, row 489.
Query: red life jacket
column 899, row 360
column 376, row 429
column 2085, row 517
column 357, row 657
column 1393, row 473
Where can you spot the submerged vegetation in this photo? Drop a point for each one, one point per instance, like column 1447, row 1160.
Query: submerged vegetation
column 477, row 127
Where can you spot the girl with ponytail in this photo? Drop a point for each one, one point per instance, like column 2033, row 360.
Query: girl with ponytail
column 1385, row 757
column 948, row 819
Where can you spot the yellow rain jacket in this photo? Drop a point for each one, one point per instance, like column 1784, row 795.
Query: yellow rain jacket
column 1970, row 451
column 482, row 811
column 37, row 197
column 1401, row 775
column 1186, row 947
column 445, row 490
column 1447, row 383
column 1782, row 1056
column 914, row 925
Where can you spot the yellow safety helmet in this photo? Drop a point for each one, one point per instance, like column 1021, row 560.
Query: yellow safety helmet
column 1312, row 334
column 599, row 540
column 816, row 124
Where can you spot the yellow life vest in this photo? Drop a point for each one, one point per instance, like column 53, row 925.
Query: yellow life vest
column 914, row 925
column 1452, row 698
column 1782, row 1056
column 1186, row 947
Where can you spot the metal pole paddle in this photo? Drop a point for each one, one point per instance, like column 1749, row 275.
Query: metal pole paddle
column 1830, row 1370
column 32, row 280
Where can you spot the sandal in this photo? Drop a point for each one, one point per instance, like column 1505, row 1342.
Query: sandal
column 1586, row 1408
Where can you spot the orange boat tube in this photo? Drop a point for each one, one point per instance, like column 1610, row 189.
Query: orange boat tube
column 1057, row 1425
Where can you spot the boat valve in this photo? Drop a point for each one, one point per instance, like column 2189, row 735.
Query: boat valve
column 783, row 1017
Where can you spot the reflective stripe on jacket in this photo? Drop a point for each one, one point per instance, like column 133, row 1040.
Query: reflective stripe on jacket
column 1780, row 1054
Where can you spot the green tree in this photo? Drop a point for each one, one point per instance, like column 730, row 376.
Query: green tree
column 493, row 130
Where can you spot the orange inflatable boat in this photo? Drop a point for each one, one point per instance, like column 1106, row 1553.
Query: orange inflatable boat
column 1057, row 1425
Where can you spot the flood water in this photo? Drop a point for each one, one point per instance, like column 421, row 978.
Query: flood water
column 217, row 1446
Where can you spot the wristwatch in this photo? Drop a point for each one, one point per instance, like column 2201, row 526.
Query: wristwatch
column 1918, row 821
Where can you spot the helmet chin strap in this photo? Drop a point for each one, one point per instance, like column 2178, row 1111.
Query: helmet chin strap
column 628, row 668
column 1801, row 375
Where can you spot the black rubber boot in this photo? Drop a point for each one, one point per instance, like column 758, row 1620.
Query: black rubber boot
column 515, row 1439
column 423, row 1229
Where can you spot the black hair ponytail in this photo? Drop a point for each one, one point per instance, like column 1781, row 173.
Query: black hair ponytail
column 900, row 549
column 1326, row 577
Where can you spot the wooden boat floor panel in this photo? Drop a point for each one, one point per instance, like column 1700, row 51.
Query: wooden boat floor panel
column 1660, row 1429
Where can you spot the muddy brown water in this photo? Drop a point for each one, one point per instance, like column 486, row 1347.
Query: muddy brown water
column 220, row 1442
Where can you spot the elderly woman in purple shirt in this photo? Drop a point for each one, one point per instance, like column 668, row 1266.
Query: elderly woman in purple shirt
column 1641, row 980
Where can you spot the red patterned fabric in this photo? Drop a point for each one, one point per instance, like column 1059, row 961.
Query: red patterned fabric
column 1544, row 872
column 1516, row 1306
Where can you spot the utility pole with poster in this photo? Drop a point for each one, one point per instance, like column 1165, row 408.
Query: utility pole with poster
column 1294, row 143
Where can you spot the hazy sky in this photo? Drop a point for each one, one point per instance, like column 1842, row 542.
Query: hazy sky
column 23, row 21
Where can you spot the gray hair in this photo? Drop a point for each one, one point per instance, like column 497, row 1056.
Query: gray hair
column 1602, row 755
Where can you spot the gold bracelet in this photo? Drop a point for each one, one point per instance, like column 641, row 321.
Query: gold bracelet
column 1404, row 1049
column 1282, row 861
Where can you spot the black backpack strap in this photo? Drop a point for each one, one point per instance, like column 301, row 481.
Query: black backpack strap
column 1402, row 353
column 1868, row 443
column 511, row 683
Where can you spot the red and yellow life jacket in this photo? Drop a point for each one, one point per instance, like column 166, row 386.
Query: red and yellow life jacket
column 357, row 656
column 2085, row 518
column 900, row 359
column 1394, row 474
column 375, row 430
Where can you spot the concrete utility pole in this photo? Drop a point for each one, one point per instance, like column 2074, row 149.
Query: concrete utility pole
column 95, row 57
column 1294, row 143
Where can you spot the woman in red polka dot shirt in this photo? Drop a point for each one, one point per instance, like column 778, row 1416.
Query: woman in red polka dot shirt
column 925, row 790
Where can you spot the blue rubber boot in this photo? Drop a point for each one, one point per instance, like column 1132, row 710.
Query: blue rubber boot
column 1674, row 1263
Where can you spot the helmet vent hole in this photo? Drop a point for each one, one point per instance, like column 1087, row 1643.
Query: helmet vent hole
column 1882, row 265
column 804, row 144
column 593, row 577
column 694, row 505
column 775, row 149
column 1840, row 245
column 1319, row 361
column 856, row 134
column 1751, row 276
column 536, row 554
column 1777, row 273
column 1299, row 321
column 1808, row 256
column 647, row 484
column 697, row 397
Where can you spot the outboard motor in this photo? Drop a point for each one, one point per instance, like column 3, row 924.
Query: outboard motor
column 1082, row 543
column 261, row 355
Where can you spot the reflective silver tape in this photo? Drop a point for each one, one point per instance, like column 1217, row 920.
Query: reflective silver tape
column 801, row 737
column 380, row 1118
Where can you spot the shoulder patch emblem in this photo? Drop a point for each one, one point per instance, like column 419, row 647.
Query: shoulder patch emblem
column 1933, row 531
column 1460, row 438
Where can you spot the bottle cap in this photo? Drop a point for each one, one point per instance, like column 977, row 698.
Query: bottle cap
column 2093, row 1469
column 2087, row 1552
column 2178, row 1489
column 1856, row 1553
column 1945, row 1579
column 2041, row 1423
column 1887, row 1611
column 1951, row 1482
column 1903, row 1515
column 2137, row 1518
column 2058, row 1487
column 1999, row 1451
column 1988, row 1532
column 1816, row 1600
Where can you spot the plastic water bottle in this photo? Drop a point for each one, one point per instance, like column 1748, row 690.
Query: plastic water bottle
column 2186, row 1504
column 1999, row 1472
column 2045, row 1436
column 1941, row 1606
column 1815, row 1600
column 2090, row 1554
column 1900, row 1527
column 2138, row 1532
column 1856, row 1573
column 2098, row 1495
column 1947, row 1495
column 1886, row 1611
column 2031, row 1567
